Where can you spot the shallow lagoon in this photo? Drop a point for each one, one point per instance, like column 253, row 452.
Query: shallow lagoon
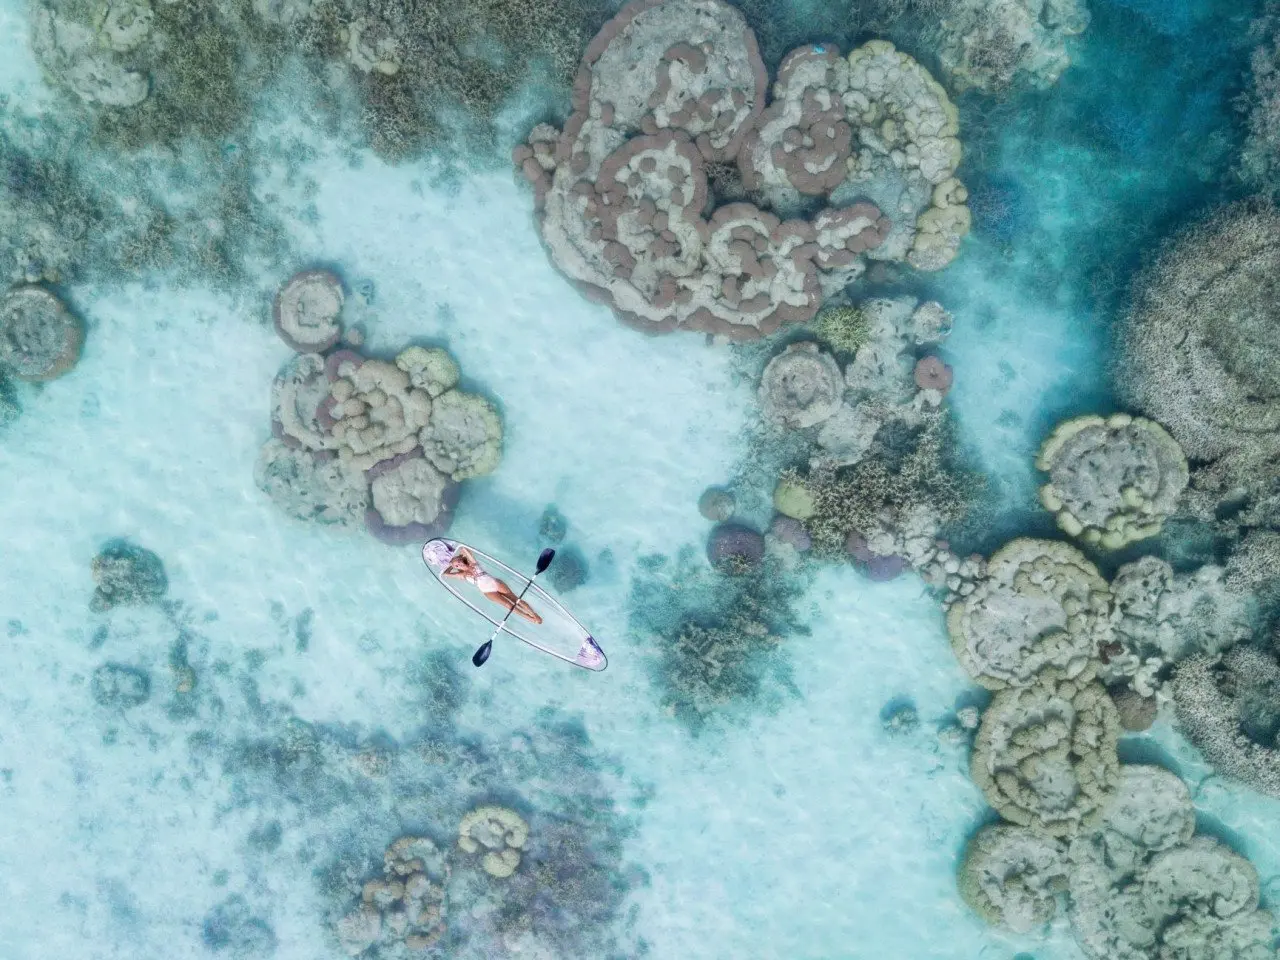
column 794, row 824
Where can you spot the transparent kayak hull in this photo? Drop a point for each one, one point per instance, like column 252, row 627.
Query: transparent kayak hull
column 560, row 634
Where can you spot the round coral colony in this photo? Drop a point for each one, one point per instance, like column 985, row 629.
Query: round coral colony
column 307, row 311
column 40, row 339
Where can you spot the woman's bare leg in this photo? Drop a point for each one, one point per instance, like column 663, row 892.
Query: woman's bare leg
column 509, row 601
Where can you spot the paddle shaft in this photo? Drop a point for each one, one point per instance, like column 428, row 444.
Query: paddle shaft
column 513, row 608
column 482, row 652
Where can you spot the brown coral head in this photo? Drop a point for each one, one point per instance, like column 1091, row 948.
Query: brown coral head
column 933, row 374
column 733, row 548
column 855, row 545
column 335, row 361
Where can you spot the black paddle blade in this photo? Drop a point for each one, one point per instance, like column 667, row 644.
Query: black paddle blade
column 481, row 655
column 545, row 558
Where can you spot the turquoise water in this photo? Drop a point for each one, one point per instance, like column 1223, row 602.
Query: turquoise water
column 213, row 760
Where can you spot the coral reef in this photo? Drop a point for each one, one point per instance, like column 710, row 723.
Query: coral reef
column 1137, row 880
column 1195, row 900
column 552, row 525
column 791, row 531
column 669, row 86
column 1228, row 708
column 843, row 329
column 233, row 927
column 311, row 488
column 1141, row 885
column 570, row 570
column 715, row 636
column 895, row 498
column 405, row 907
column 1197, row 351
column 880, row 385
column 882, row 480
column 1112, row 481
column 47, row 211
column 1039, row 614
column 716, row 504
column 1159, row 616
column 498, row 834
column 1136, row 711
column 87, row 61
column 801, row 387
column 734, row 548
column 1045, row 755
column 307, row 309
column 995, row 44
column 127, row 575
column 40, row 339
column 388, row 441
column 10, row 408
column 1255, row 563
column 1011, row 876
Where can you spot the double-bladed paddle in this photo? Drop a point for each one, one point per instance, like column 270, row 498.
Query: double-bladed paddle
column 482, row 654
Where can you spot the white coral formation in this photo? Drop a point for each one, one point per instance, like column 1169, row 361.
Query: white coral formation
column 800, row 387
column 1195, row 901
column 410, row 492
column 1150, row 812
column 1141, row 885
column 376, row 414
column 802, row 142
column 86, row 61
column 670, row 85
column 1160, row 616
column 1198, row 351
column 500, row 834
column 464, row 436
column 1228, row 709
column 1039, row 614
column 296, row 395
column 906, row 155
column 992, row 44
column 307, row 310
column 1112, row 480
column 430, row 369
column 1045, row 755
column 372, row 46
column 1011, row 876
column 400, row 431
column 309, row 487
column 405, row 908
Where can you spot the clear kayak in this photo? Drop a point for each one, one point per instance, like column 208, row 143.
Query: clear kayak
column 560, row 634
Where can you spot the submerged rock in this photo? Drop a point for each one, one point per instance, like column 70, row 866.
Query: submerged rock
column 127, row 575
column 232, row 927
column 569, row 570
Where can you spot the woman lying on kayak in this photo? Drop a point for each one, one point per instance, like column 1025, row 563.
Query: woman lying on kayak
column 464, row 566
